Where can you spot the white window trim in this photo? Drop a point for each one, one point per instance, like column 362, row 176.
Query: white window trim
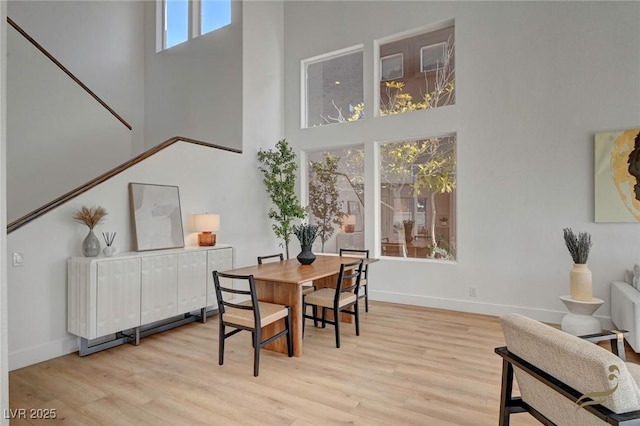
column 303, row 75
column 377, row 211
column 395, row 37
column 194, row 29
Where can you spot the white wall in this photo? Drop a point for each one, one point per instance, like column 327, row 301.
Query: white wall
column 4, row 315
column 194, row 89
column 534, row 82
column 209, row 180
column 50, row 110
column 101, row 43
column 58, row 136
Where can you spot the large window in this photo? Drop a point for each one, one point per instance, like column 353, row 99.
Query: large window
column 415, row 179
column 336, row 198
column 417, row 198
column 183, row 20
column 417, row 72
column 333, row 88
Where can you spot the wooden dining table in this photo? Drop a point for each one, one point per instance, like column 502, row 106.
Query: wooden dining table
column 281, row 282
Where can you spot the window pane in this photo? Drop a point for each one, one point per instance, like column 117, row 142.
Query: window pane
column 215, row 14
column 417, row 198
column 176, row 22
column 336, row 198
column 417, row 72
column 334, row 90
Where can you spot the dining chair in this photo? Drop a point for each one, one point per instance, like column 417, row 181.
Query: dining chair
column 394, row 249
column 365, row 273
column 342, row 299
column 250, row 315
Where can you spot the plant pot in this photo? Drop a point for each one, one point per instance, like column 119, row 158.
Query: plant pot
column 580, row 284
column 91, row 245
column 306, row 257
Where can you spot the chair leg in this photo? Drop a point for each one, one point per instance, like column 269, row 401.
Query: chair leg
column 357, row 315
column 221, row 344
column 256, row 351
column 505, row 393
column 289, row 333
column 324, row 317
column 314, row 311
column 366, row 298
column 336, row 320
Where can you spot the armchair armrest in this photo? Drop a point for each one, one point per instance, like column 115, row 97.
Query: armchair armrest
column 510, row 404
column 615, row 338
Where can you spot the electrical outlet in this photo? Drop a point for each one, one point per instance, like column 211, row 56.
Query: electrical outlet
column 473, row 292
column 17, row 259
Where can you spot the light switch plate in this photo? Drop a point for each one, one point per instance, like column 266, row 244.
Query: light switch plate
column 18, row 259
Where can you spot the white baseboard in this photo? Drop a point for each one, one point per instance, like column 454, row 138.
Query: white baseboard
column 43, row 352
column 60, row 347
column 544, row 315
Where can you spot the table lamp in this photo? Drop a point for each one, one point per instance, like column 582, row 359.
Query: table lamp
column 350, row 223
column 206, row 224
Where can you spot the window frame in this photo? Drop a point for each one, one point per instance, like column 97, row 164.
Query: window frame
column 304, row 64
column 194, row 23
column 377, row 196
column 377, row 43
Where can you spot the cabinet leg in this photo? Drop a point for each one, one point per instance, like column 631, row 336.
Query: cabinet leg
column 203, row 315
column 84, row 346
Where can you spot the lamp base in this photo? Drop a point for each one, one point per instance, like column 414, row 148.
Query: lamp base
column 349, row 228
column 206, row 239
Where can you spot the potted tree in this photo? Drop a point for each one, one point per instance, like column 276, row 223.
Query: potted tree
column 278, row 167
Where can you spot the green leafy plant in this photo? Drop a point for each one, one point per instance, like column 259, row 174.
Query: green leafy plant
column 278, row 167
column 323, row 196
column 306, row 233
column 578, row 245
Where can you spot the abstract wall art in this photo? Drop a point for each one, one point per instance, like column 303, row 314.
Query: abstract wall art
column 617, row 176
column 156, row 216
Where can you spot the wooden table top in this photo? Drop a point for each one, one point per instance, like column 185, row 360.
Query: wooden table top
column 291, row 271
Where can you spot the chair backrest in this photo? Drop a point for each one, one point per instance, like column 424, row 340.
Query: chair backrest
column 349, row 278
column 580, row 364
column 394, row 249
column 270, row 257
column 225, row 294
column 358, row 253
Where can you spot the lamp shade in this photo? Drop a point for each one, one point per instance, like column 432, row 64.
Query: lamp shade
column 206, row 222
column 349, row 223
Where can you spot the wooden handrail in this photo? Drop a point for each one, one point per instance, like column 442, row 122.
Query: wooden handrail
column 111, row 173
column 66, row 71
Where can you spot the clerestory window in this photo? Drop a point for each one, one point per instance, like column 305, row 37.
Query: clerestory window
column 183, row 20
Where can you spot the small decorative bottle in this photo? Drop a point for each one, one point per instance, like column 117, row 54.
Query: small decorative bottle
column 110, row 249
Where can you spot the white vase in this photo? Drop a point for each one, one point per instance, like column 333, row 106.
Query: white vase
column 580, row 282
column 109, row 251
column 91, row 245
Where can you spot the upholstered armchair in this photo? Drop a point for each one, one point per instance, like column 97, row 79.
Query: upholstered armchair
column 564, row 379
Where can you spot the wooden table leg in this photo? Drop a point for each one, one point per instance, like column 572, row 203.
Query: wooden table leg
column 283, row 294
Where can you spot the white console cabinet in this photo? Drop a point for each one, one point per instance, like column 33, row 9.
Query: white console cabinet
column 110, row 295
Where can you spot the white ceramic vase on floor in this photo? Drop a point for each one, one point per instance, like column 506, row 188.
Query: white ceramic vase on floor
column 580, row 282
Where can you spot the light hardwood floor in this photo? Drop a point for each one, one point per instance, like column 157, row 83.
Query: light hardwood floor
column 409, row 366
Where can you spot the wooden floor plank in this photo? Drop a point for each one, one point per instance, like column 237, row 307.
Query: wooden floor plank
column 410, row 366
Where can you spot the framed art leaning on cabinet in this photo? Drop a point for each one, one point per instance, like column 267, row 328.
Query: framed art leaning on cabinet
column 155, row 216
